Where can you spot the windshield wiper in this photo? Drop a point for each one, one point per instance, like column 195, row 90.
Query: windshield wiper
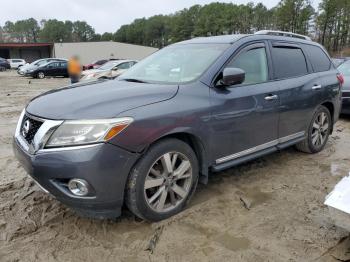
column 133, row 80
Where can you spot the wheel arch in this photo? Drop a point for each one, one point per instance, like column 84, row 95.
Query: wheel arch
column 329, row 105
column 198, row 148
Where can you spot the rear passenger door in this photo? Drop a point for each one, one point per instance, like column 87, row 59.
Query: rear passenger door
column 329, row 87
column 298, row 85
column 63, row 69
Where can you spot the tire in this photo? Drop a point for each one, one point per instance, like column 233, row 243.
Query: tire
column 317, row 138
column 40, row 75
column 171, row 191
column 2, row 69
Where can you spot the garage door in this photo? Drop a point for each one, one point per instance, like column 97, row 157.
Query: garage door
column 30, row 55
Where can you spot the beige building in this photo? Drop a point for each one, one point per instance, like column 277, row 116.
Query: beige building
column 87, row 51
column 92, row 51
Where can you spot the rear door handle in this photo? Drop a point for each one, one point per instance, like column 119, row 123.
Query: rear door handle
column 271, row 97
column 316, row 87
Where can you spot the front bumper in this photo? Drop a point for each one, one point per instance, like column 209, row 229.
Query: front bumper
column 29, row 74
column 104, row 166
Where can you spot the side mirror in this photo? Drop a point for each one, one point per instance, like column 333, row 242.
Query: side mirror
column 232, row 76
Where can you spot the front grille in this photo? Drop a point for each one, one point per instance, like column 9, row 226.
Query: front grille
column 32, row 128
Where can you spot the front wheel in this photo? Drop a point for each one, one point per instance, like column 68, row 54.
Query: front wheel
column 318, row 132
column 163, row 181
column 41, row 75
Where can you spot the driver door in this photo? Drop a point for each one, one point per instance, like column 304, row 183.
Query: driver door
column 51, row 69
column 245, row 116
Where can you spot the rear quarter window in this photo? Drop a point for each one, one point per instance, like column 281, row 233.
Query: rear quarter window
column 318, row 58
column 288, row 62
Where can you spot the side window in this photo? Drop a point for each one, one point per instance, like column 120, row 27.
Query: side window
column 63, row 64
column 254, row 64
column 288, row 62
column 53, row 65
column 319, row 60
column 124, row 65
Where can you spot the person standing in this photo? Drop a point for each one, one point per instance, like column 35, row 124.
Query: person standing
column 74, row 69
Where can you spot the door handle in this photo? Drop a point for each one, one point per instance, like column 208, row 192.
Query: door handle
column 316, row 87
column 271, row 97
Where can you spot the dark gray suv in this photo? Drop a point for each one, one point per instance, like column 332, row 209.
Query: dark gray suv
column 199, row 106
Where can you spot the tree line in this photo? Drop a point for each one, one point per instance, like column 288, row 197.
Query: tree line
column 329, row 24
column 52, row 30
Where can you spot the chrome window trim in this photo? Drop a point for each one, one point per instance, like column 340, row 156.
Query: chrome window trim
column 260, row 147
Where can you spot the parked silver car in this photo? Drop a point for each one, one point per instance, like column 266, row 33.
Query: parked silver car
column 110, row 69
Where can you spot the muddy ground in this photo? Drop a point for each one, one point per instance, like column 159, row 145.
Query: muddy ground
column 270, row 209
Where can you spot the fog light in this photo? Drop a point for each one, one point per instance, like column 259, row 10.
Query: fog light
column 78, row 187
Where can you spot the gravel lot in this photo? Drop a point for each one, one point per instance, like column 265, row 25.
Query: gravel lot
column 270, row 209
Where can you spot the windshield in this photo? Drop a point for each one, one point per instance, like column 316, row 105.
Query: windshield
column 109, row 65
column 176, row 64
column 41, row 62
column 345, row 68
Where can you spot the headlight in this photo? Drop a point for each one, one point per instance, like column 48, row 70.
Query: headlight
column 80, row 132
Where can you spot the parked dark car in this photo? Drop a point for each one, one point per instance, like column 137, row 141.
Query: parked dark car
column 23, row 70
column 207, row 104
column 4, row 64
column 344, row 69
column 55, row 68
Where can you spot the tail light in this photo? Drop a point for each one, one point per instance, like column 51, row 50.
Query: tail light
column 340, row 79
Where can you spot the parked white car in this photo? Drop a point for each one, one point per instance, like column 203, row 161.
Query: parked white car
column 16, row 63
column 111, row 69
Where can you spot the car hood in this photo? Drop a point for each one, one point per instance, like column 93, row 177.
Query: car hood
column 28, row 67
column 95, row 74
column 90, row 71
column 98, row 99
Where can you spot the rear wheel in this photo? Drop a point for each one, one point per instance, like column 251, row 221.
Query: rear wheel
column 318, row 132
column 163, row 181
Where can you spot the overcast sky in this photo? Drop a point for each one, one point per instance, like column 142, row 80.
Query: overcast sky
column 103, row 15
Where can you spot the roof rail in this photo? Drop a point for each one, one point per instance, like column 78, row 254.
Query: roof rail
column 282, row 33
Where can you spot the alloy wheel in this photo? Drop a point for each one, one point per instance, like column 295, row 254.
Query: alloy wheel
column 41, row 75
column 320, row 129
column 168, row 182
